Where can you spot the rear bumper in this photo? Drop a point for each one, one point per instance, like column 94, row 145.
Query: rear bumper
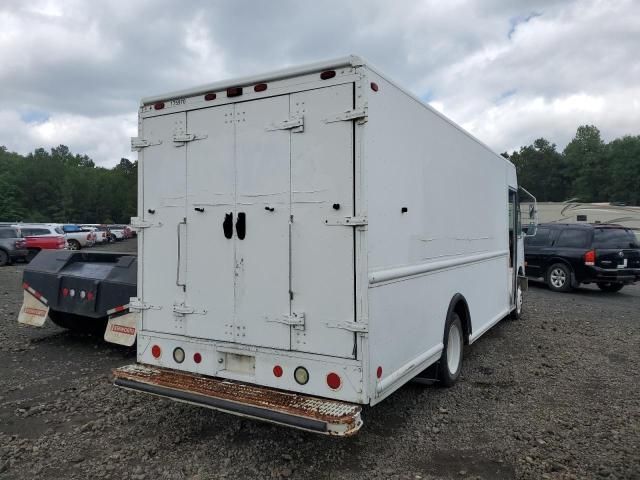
column 625, row 275
column 329, row 417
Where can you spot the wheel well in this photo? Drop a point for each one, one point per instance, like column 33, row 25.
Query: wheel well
column 458, row 304
column 553, row 261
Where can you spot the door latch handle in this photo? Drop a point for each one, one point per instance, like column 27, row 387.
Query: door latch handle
column 269, row 209
column 199, row 209
column 227, row 225
column 241, row 225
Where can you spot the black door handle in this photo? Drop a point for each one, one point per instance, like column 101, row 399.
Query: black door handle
column 241, row 225
column 227, row 225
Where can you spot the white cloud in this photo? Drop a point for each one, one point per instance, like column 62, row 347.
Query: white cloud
column 509, row 71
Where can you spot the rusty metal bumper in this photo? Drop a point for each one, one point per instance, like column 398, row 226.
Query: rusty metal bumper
column 318, row 415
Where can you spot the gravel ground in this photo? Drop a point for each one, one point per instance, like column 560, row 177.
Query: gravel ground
column 553, row 395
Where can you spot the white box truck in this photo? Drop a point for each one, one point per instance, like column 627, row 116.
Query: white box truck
column 309, row 241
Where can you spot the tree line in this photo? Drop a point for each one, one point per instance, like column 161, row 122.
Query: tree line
column 587, row 170
column 59, row 186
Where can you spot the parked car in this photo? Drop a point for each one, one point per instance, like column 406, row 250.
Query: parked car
column 42, row 237
column 12, row 245
column 100, row 235
column 117, row 231
column 567, row 255
column 76, row 237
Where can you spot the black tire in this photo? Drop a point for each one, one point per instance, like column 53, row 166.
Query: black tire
column 516, row 313
column 610, row 286
column 446, row 376
column 73, row 245
column 558, row 277
column 5, row 259
column 79, row 323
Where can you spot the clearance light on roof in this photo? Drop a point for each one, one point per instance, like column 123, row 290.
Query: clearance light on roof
column 326, row 75
column 374, row 86
column 234, row 91
column 158, row 106
column 261, row 87
column 210, row 96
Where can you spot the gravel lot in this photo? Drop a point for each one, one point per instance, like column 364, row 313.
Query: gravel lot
column 553, row 395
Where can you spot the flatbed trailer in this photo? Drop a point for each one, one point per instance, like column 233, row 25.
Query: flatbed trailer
column 82, row 291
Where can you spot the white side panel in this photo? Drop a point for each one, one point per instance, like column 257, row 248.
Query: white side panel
column 211, row 196
column 262, row 257
column 434, row 194
column 322, row 255
column 163, row 206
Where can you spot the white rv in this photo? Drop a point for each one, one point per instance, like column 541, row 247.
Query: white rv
column 310, row 240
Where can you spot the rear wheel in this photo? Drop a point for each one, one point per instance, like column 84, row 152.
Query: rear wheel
column 559, row 277
column 610, row 286
column 73, row 244
column 78, row 323
column 451, row 361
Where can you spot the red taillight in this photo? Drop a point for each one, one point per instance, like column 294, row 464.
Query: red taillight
column 590, row 258
column 328, row 74
column 277, row 371
column 89, row 237
column 210, row 96
column 197, row 357
column 374, row 86
column 261, row 87
column 333, row 380
column 234, row 91
column 89, row 296
column 155, row 351
column 65, row 292
column 159, row 106
column 379, row 372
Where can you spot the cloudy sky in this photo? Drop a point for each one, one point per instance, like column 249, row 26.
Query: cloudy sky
column 72, row 72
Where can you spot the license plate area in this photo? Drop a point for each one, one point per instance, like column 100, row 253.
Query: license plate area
column 237, row 364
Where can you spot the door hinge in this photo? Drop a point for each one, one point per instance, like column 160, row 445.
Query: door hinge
column 135, row 304
column 137, row 222
column 295, row 320
column 350, row 326
column 182, row 138
column 138, row 143
column 346, row 221
column 360, row 115
column 182, row 309
column 295, row 124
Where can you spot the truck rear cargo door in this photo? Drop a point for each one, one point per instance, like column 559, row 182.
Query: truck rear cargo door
column 163, row 208
column 322, row 253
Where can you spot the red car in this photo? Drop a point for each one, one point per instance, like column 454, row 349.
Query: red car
column 42, row 237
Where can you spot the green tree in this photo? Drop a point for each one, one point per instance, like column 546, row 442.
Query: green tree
column 623, row 159
column 587, row 165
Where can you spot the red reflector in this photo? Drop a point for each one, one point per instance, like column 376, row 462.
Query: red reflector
column 155, row 351
column 590, row 258
column 328, row 74
column 89, row 295
column 159, row 106
column 197, row 357
column 277, row 371
column 379, row 372
column 234, row 91
column 333, row 380
column 210, row 96
column 65, row 292
column 261, row 87
column 25, row 285
column 374, row 86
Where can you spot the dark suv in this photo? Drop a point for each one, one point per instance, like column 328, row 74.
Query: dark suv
column 12, row 245
column 566, row 255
